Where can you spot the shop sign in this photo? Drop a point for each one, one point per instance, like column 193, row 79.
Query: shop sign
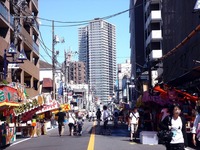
column 26, row 107
column 65, row 107
column 52, row 106
column 34, row 103
column 8, row 94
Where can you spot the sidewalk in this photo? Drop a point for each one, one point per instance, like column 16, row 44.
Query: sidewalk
column 122, row 131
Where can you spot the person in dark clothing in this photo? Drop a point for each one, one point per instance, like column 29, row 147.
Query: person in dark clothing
column 147, row 118
column 165, row 119
column 98, row 114
column 61, row 117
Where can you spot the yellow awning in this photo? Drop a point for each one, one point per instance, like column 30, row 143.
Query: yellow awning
column 9, row 104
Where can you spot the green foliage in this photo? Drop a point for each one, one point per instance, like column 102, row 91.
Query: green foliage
column 4, row 81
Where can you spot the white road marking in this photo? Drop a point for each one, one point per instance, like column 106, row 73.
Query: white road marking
column 20, row 142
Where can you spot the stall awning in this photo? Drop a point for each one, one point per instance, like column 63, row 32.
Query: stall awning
column 174, row 94
column 187, row 77
column 156, row 99
column 28, row 115
column 9, row 104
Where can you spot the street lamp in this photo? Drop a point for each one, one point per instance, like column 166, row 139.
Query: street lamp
column 127, row 89
column 12, row 51
column 132, row 91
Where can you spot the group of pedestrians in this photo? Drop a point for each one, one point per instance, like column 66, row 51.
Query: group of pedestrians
column 75, row 123
column 172, row 120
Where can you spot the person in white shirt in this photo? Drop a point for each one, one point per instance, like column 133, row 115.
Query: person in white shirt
column 133, row 122
column 178, row 127
column 105, row 117
column 72, row 121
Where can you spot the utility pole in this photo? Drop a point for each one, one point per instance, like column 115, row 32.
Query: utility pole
column 150, row 75
column 53, row 61
column 66, row 68
column 65, row 76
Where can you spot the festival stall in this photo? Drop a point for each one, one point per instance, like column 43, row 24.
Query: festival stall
column 49, row 110
column 25, row 113
column 10, row 95
column 166, row 95
column 46, row 112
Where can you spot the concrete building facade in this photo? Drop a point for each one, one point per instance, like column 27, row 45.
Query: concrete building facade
column 165, row 25
column 27, row 41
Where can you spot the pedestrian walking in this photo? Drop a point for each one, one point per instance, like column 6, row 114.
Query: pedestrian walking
column 133, row 122
column 72, row 122
column 196, row 130
column 89, row 116
column 79, row 126
column 162, row 125
column 116, row 117
column 34, row 125
column 61, row 117
column 98, row 114
column 105, row 118
column 177, row 125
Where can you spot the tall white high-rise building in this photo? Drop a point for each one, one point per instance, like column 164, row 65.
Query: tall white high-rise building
column 97, row 49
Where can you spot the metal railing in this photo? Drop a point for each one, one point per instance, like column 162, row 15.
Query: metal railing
column 35, row 48
column 4, row 12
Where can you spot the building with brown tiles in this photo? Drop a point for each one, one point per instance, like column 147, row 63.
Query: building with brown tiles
column 77, row 72
column 27, row 39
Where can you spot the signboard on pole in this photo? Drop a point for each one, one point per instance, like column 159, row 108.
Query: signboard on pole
column 13, row 66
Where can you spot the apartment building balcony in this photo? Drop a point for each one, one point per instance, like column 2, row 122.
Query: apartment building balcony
column 30, row 68
column 31, row 92
column 151, row 2
column 7, row 18
column 29, row 41
column 155, row 54
column 155, row 35
column 35, row 3
column 155, row 16
column 155, row 1
column 36, row 27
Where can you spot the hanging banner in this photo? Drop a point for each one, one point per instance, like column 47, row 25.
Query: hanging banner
column 29, row 105
column 52, row 105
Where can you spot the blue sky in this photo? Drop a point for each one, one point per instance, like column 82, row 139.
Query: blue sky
column 78, row 10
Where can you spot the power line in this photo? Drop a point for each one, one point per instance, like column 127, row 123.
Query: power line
column 46, row 25
column 75, row 23
column 33, row 47
column 86, row 21
column 45, row 50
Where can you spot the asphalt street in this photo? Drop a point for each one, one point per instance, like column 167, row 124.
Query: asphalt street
column 118, row 140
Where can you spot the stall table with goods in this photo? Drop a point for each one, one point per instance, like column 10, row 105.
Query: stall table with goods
column 7, row 134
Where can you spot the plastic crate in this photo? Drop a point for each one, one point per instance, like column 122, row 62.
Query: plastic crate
column 148, row 137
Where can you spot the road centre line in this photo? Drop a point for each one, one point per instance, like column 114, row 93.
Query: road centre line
column 92, row 138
